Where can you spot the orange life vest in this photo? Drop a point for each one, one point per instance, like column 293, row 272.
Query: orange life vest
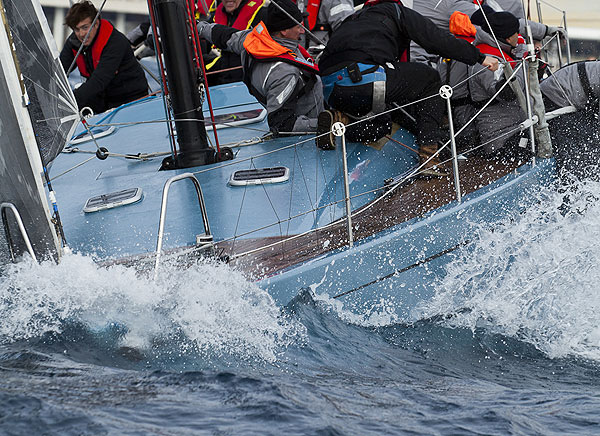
column 461, row 27
column 263, row 48
column 104, row 33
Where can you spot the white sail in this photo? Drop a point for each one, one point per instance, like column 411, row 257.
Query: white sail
column 37, row 116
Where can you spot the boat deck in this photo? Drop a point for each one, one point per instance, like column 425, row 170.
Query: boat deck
column 413, row 199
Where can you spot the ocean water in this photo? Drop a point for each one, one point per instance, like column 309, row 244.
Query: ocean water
column 510, row 344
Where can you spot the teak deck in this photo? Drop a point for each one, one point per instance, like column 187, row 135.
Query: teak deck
column 414, row 199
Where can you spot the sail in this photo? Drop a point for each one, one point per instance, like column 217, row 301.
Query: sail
column 37, row 116
column 52, row 106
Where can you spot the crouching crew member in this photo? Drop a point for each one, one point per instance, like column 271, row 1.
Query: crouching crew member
column 575, row 136
column 496, row 124
column 276, row 69
column 240, row 15
column 365, row 71
column 113, row 75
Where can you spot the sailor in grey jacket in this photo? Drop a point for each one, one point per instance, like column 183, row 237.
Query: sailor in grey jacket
column 499, row 121
column 440, row 11
column 277, row 71
column 576, row 85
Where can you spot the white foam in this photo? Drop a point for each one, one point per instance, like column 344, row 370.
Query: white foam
column 536, row 279
column 215, row 308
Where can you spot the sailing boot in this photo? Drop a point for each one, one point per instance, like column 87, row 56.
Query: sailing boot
column 431, row 165
column 325, row 139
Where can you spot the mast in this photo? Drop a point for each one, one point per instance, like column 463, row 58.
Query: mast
column 182, row 79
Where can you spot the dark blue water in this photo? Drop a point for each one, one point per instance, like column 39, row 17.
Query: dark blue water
column 509, row 345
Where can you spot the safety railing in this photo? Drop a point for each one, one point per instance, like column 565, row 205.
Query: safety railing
column 203, row 240
column 563, row 24
column 9, row 206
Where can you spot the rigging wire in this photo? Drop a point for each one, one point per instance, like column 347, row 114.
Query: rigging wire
column 164, row 87
column 200, row 65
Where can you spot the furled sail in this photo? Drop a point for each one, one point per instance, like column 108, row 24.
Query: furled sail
column 37, row 116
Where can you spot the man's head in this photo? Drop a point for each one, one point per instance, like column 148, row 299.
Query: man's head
column 231, row 5
column 279, row 22
column 502, row 24
column 80, row 18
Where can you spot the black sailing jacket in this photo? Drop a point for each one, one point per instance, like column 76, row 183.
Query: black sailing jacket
column 117, row 79
column 382, row 33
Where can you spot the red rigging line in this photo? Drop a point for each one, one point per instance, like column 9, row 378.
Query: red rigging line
column 200, row 65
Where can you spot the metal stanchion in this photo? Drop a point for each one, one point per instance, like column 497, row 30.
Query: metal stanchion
column 339, row 129
column 446, row 93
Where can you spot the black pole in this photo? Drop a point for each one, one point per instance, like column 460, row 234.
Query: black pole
column 182, row 81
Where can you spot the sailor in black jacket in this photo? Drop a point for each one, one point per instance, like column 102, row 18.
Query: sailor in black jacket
column 365, row 71
column 113, row 75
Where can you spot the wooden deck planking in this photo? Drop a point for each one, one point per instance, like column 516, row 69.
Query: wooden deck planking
column 414, row 199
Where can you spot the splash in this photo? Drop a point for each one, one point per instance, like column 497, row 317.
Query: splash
column 535, row 279
column 207, row 308
column 380, row 313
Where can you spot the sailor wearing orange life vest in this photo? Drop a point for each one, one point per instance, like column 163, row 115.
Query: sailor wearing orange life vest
column 113, row 75
column 496, row 124
column 277, row 70
column 440, row 11
column 241, row 15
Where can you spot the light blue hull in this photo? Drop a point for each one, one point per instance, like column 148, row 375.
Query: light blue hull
column 395, row 267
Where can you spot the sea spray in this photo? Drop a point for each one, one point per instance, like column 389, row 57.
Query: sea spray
column 206, row 307
column 535, row 279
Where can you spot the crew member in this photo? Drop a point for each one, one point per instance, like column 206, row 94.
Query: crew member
column 113, row 75
column 364, row 73
column 575, row 136
column 496, row 125
column 278, row 71
column 240, row 15
column 440, row 12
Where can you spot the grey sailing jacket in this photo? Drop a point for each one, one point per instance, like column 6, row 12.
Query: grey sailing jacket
column 440, row 11
column 292, row 103
column 472, row 88
column 564, row 86
column 500, row 120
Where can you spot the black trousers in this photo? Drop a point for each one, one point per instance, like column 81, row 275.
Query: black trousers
column 406, row 82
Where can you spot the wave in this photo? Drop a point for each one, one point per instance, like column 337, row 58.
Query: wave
column 207, row 309
column 535, row 279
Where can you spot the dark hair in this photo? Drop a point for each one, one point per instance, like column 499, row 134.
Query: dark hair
column 79, row 12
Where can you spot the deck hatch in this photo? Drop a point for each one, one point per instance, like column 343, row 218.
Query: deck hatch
column 260, row 176
column 113, row 199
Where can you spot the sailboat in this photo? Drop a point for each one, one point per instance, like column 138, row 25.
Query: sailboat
column 129, row 186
